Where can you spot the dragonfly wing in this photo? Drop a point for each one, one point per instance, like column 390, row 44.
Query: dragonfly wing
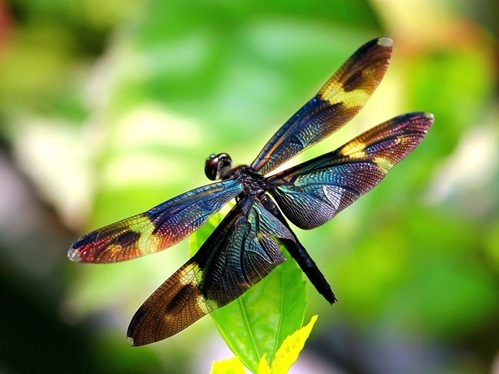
column 241, row 251
column 339, row 100
column 156, row 229
column 312, row 193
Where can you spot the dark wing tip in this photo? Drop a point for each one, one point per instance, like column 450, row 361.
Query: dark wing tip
column 134, row 335
column 82, row 248
column 135, row 339
column 422, row 120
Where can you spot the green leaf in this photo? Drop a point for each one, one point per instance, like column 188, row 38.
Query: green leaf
column 291, row 348
column 230, row 366
column 285, row 356
column 263, row 366
column 257, row 323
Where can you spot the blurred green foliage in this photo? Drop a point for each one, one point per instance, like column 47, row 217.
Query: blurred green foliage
column 108, row 108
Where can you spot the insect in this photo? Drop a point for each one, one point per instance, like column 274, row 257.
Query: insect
column 244, row 248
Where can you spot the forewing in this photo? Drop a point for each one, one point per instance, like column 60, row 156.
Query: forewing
column 156, row 229
column 341, row 98
column 312, row 193
column 240, row 252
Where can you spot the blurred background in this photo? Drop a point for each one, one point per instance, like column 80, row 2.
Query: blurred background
column 109, row 108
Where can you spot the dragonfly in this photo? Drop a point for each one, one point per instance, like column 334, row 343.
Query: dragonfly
column 245, row 247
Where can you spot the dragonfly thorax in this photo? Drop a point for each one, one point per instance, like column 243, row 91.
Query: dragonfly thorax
column 252, row 181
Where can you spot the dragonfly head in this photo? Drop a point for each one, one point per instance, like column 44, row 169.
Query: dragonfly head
column 217, row 166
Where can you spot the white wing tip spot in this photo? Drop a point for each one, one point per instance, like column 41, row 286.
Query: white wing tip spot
column 430, row 116
column 74, row 255
column 385, row 42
